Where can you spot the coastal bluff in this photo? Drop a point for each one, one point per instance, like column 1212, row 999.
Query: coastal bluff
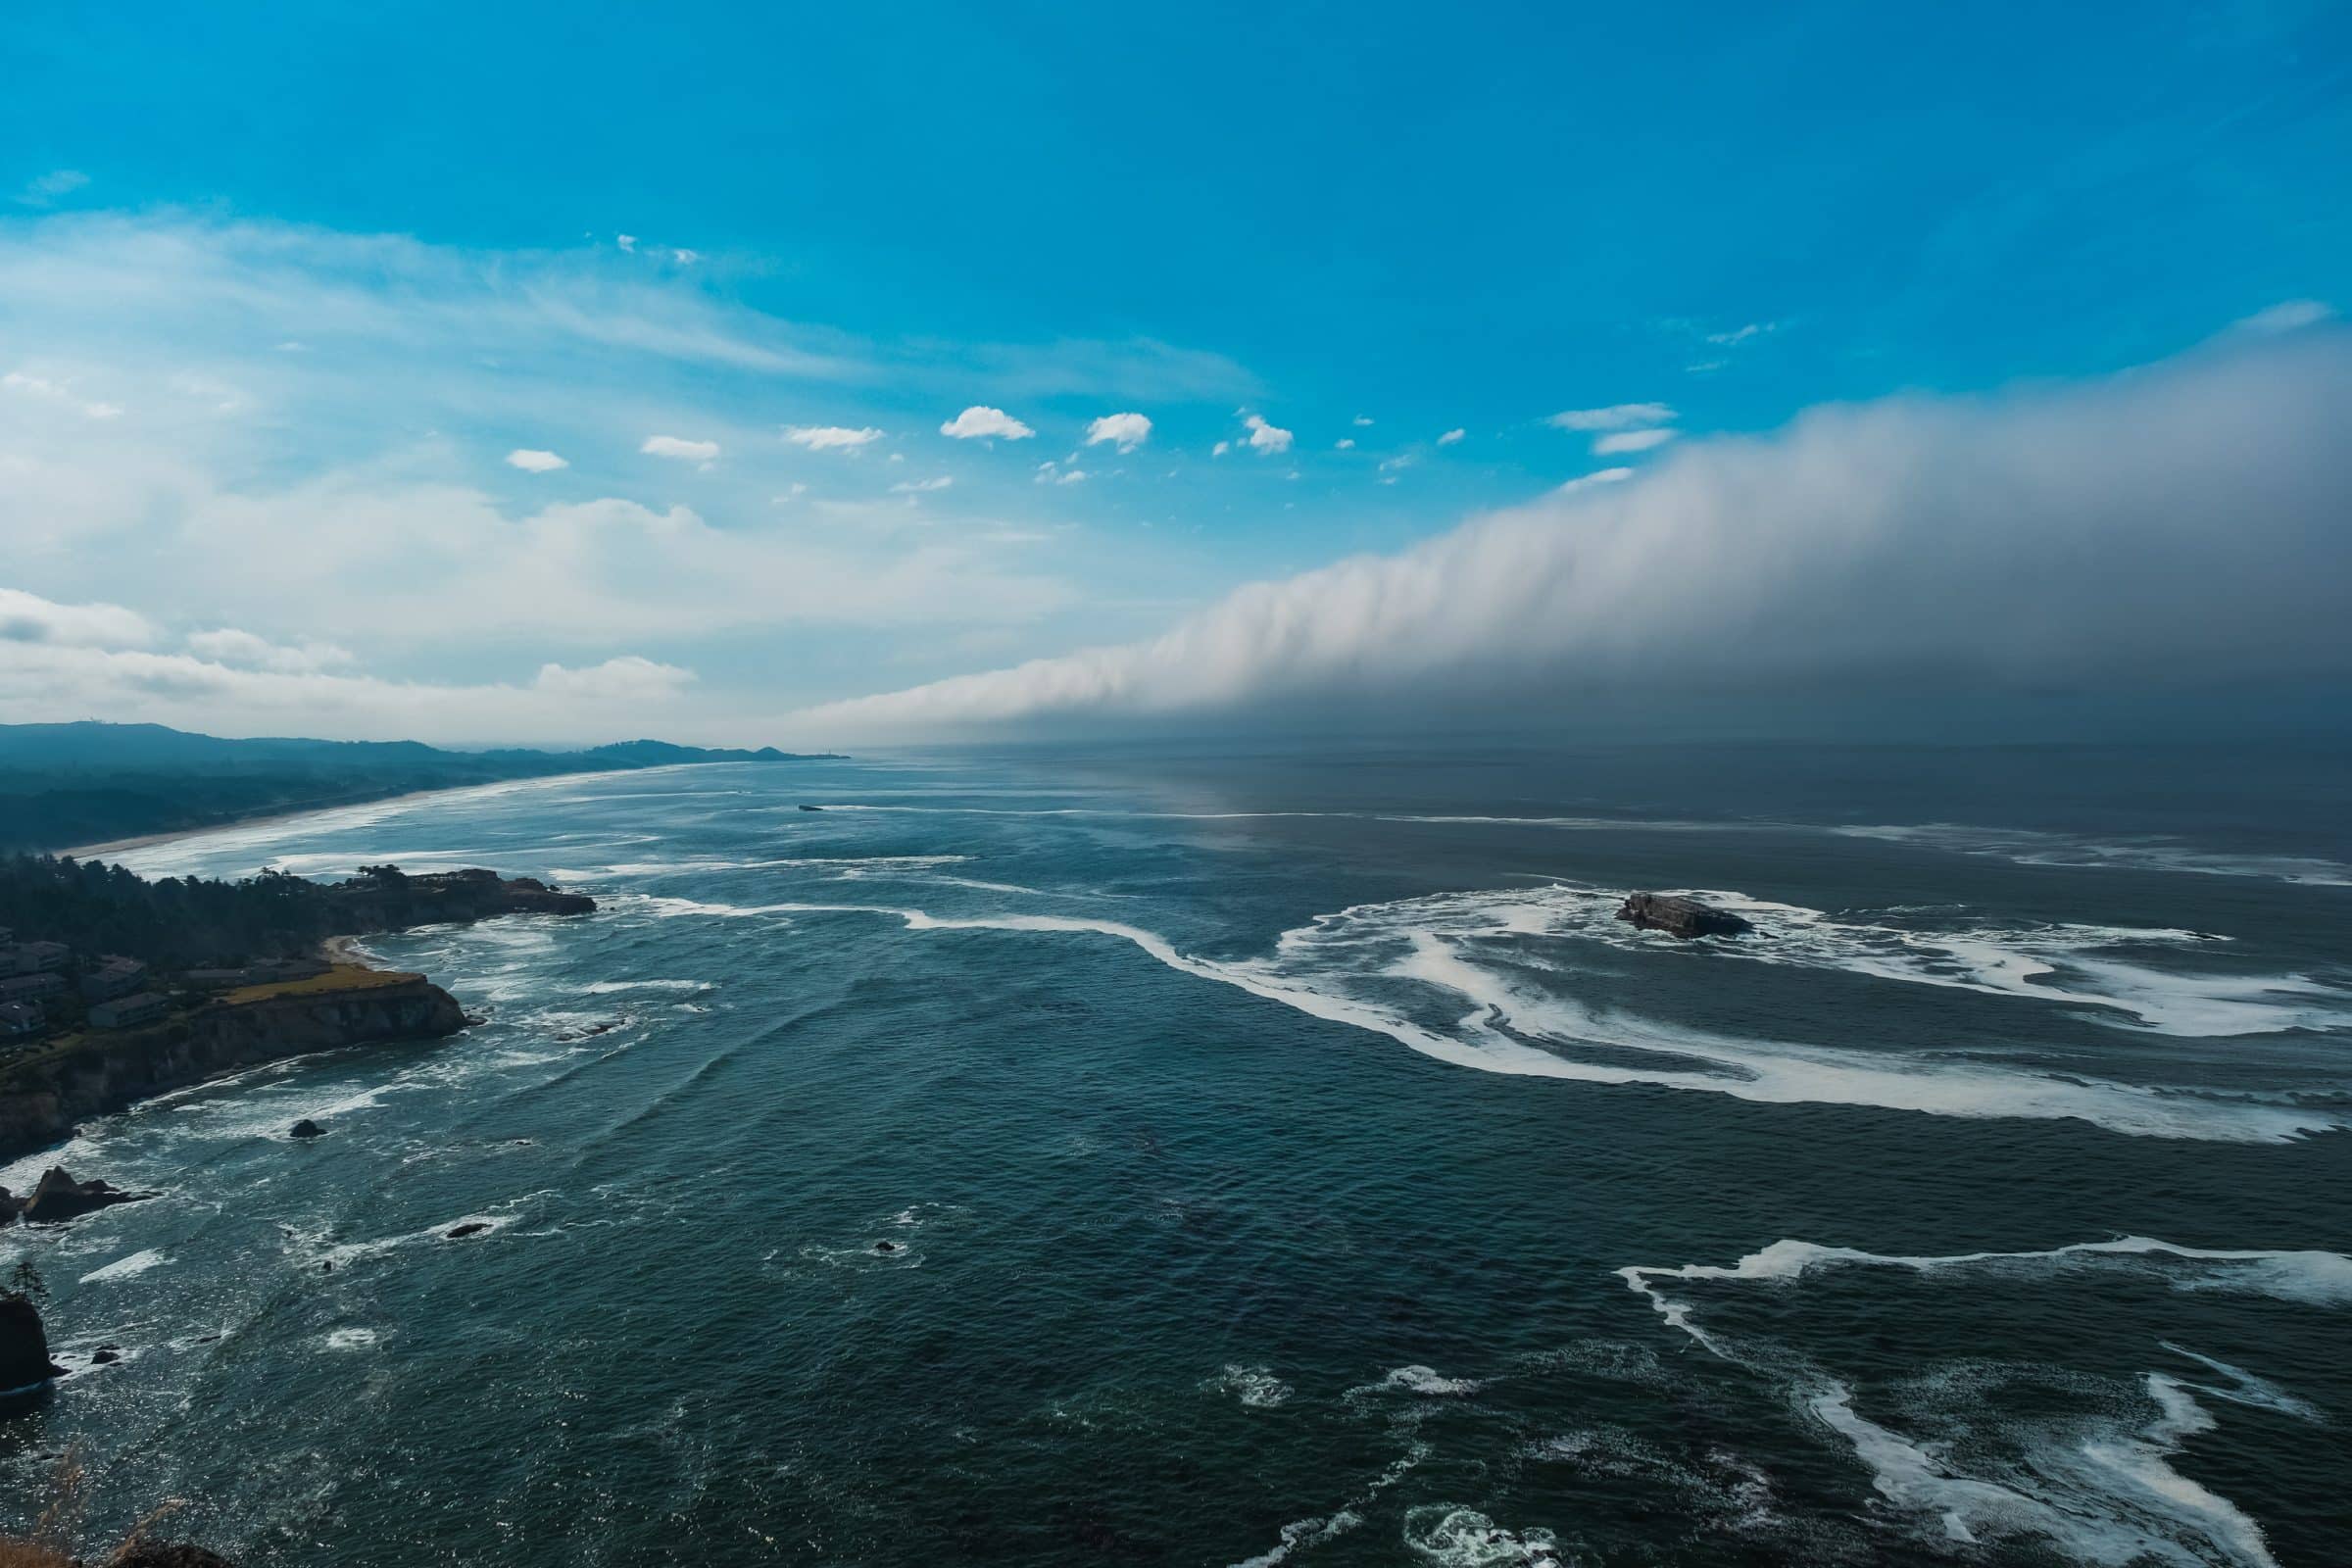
column 45, row 1096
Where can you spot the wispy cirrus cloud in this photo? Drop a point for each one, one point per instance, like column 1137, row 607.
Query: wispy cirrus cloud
column 832, row 437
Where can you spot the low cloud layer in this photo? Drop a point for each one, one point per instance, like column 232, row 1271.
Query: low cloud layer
column 2177, row 525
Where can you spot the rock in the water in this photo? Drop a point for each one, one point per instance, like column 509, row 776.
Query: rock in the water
column 886, row 1247
column 10, row 1205
column 306, row 1128
column 145, row 1553
column 1680, row 917
column 812, row 807
column 472, row 1227
column 24, row 1346
column 105, row 1356
column 60, row 1197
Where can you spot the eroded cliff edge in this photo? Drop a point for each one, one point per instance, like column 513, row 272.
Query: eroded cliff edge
column 45, row 1095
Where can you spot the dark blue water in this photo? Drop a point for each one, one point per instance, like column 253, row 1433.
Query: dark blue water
column 1282, row 1159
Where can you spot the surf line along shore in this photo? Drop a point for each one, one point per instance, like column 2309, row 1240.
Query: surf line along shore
column 201, row 1003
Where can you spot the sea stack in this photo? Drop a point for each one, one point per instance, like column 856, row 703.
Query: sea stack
column 60, row 1197
column 1687, row 918
column 306, row 1128
column 24, row 1346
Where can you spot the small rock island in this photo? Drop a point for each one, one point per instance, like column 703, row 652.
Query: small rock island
column 1678, row 916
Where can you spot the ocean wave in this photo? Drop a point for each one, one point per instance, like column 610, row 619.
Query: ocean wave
column 2099, row 1486
column 1254, row 1385
column 122, row 1268
column 2143, row 853
column 1347, row 968
column 1455, row 1536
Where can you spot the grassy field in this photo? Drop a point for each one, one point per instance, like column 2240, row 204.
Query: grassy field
column 342, row 977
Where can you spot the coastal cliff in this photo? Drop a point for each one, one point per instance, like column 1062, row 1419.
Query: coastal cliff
column 43, row 1096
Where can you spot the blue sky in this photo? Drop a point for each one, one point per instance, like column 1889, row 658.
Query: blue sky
column 327, row 271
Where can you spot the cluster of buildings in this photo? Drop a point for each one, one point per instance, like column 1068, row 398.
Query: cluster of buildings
column 35, row 975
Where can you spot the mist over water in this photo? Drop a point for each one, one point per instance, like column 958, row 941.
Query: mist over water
column 1281, row 1159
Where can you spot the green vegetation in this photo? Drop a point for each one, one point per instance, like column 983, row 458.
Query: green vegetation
column 63, row 785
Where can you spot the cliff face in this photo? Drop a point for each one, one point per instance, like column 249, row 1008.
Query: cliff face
column 42, row 1099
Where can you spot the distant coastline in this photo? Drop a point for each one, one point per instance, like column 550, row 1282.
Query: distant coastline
column 143, row 841
column 92, row 789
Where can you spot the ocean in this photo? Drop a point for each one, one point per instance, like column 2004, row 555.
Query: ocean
column 1268, row 1155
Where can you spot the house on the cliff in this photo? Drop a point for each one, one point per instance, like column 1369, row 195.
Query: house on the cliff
column 30, row 987
column 19, row 1018
column 112, row 976
column 124, row 1011
column 34, row 957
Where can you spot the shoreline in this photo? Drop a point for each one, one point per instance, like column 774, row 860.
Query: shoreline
column 145, row 840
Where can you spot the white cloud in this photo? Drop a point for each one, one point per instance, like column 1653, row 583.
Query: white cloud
column 1361, row 420
column 1741, row 334
column 627, row 679
column 1346, row 443
column 627, row 242
column 1051, row 472
column 43, row 189
column 979, row 421
column 532, row 460
column 1266, row 439
column 49, row 391
column 2287, row 315
column 831, row 437
column 1616, row 417
column 1220, row 449
column 1398, row 464
column 1630, row 441
column 674, row 446
column 29, row 618
column 913, row 487
column 243, row 649
column 1129, row 430
column 1597, row 476
column 1451, row 437
column 1864, row 547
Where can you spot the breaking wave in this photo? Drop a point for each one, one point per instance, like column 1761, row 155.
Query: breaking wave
column 2099, row 1486
column 1425, row 973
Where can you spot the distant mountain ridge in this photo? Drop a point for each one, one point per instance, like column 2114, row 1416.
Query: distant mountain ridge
column 63, row 785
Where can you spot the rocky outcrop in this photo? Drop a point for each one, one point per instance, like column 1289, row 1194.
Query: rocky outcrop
column 60, row 1197
column 41, row 1099
column 1687, row 918
column 24, row 1346
column 382, row 898
column 306, row 1128
column 144, row 1553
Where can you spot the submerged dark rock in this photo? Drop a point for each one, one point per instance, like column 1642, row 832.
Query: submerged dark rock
column 886, row 1247
column 60, row 1197
column 105, row 1356
column 24, row 1346
column 306, row 1128
column 812, row 807
column 143, row 1553
column 1687, row 918
column 472, row 1227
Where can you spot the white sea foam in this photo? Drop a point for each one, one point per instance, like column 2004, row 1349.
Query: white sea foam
column 122, row 1268
column 2146, row 853
column 2102, row 1491
column 1454, row 1536
column 1254, row 1385
column 1342, row 968
column 1427, row 1381
column 351, row 1338
column 2310, row 1277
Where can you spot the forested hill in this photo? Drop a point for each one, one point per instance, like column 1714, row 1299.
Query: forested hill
column 63, row 785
